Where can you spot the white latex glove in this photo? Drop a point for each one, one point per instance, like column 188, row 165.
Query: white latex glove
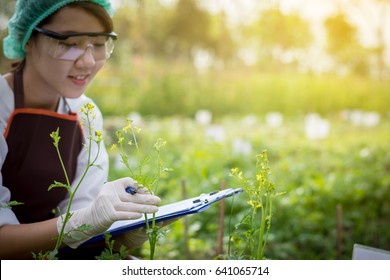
column 136, row 238
column 112, row 204
column 132, row 239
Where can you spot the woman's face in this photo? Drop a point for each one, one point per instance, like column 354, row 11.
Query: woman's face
column 66, row 78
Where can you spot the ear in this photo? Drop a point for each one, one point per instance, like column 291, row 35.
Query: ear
column 27, row 47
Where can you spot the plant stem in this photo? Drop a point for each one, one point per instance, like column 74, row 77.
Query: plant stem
column 72, row 193
column 229, row 228
column 261, row 233
column 269, row 218
column 67, row 215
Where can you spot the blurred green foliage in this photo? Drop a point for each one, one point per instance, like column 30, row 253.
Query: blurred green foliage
column 181, row 30
column 349, row 168
column 149, row 89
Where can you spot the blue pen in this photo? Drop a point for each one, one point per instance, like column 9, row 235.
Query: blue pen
column 131, row 190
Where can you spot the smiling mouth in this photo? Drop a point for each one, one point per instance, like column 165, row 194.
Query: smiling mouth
column 79, row 80
column 79, row 77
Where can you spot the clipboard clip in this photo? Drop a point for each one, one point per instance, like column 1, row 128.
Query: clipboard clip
column 201, row 199
column 205, row 198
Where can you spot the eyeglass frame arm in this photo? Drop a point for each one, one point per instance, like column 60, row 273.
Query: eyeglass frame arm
column 60, row 36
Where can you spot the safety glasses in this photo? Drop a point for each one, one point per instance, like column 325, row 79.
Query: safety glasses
column 71, row 46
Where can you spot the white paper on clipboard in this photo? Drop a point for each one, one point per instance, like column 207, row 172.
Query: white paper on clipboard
column 170, row 211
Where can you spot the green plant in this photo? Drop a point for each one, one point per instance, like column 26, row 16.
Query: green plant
column 255, row 227
column 149, row 180
column 95, row 137
column 10, row 204
column 109, row 253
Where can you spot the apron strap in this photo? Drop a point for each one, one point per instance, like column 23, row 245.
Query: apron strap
column 18, row 88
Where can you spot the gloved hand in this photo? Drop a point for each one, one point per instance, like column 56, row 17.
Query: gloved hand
column 112, row 204
column 131, row 239
column 136, row 238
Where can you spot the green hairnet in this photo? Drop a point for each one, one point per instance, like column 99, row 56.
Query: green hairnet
column 28, row 14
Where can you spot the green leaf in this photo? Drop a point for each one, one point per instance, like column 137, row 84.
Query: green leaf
column 58, row 185
column 55, row 135
column 10, row 204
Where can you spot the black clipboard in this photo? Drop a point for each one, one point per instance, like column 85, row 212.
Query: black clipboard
column 170, row 211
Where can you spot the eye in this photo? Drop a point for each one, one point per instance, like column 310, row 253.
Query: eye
column 99, row 46
column 100, row 43
column 67, row 45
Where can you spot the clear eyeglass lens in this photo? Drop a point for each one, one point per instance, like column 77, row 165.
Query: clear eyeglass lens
column 74, row 47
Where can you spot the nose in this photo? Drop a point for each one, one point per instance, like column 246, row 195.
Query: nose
column 87, row 59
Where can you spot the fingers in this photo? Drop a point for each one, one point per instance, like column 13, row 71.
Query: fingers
column 141, row 196
column 135, row 207
column 123, row 215
column 131, row 239
column 142, row 199
column 142, row 190
column 130, row 205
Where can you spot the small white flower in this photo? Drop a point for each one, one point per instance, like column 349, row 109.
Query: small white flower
column 371, row 119
column 250, row 121
column 316, row 127
column 136, row 118
column 274, row 119
column 216, row 133
column 242, row 147
column 203, row 117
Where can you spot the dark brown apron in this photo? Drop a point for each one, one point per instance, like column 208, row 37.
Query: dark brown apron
column 32, row 162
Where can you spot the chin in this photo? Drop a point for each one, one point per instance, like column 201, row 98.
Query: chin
column 72, row 95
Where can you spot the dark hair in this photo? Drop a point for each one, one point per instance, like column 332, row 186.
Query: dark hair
column 90, row 7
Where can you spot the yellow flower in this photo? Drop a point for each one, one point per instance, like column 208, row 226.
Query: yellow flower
column 234, row 170
column 113, row 146
column 126, row 128
column 253, row 205
column 98, row 135
column 121, row 139
column 89, row 106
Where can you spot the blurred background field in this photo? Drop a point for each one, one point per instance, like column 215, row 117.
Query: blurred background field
column 346, row 167
column 220, row 81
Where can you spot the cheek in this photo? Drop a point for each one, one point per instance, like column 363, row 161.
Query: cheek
column 98, row 66
column 48, row 67
column 53, row 70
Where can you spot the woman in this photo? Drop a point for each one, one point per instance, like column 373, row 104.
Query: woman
column 62, row 45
